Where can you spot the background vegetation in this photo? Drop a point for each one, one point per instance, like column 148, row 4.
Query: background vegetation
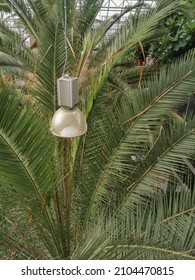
column 178, row 36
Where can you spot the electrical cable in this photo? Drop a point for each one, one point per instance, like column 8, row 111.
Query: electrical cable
column 65, row 34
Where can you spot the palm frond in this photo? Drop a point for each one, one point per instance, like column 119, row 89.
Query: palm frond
column 86, row 15
column 124, row 41
column 12, row 46
column 115, row 154
column 50, row 61
column 25, row 15
column 22, row 142
column 165, row 230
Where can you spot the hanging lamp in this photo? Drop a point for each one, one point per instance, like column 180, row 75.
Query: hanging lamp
column 68, row 121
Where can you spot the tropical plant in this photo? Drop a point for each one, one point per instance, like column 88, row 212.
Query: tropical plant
column 179, row 36
column 124, row 190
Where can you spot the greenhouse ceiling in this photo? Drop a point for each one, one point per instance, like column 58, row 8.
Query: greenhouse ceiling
column 108, row 9
column 113, row 7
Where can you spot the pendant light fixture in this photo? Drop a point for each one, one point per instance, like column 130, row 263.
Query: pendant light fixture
column 68, row 121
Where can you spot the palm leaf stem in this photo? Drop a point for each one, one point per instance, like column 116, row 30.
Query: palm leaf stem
column 179, row 214
column 185, row 136
column 160, row 96
column 155, row 248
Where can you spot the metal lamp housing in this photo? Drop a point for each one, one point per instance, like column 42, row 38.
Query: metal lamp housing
column 67, row 89
column 68, row 121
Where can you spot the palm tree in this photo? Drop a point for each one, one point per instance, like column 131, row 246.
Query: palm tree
column 124, row 190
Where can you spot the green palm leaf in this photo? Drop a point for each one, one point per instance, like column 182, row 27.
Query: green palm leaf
column 24, row 13
column 110, row 146
column 26, row 153
column 163, row 231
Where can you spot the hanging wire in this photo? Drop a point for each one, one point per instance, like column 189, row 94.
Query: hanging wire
column 65, row 35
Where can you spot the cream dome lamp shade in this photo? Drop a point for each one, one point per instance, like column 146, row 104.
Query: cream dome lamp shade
column 68, row 121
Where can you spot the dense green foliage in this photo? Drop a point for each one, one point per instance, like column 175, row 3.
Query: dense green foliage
column 125, row 190
column 178, row 35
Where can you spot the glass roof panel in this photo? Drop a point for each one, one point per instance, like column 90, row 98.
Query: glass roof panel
column 111, row 7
